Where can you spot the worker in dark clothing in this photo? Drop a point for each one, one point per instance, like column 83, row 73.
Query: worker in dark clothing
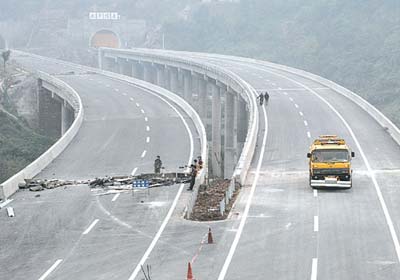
column 193, row 174
column 157, row 165
column 261, row 97
column 200, row 162
column 266, row 97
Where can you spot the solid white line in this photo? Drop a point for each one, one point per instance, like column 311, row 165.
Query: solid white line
column 51, row 269
column 305, row 123
column 147, row 128
column 301, row 113
column 137, row 104
column 116, row 197
column 148, row 140
column 134, row 171
column 174, row 203
column 144, row 153
column 235, row 243
column 291, row 99
column 142, row 111
column 295, row 105
column 146, row 119
column 315, row 193
column 316, row 226
column 308, row 134
column 91, row 226
column 385, row 210
column 314, row 269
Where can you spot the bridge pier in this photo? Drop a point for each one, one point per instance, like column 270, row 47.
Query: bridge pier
column 187, row 86
column 160, row 71
column 173, row 75
column 241, row 124
column 202, row 97
column 49, row 110
column 148, row 73
column 124, row 67
column 216, row 154
column 230, row 139
column 137, row 71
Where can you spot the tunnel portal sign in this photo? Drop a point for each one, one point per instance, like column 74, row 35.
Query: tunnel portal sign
column 104, row 16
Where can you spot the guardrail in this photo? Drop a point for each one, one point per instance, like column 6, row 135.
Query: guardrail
column 10, row 186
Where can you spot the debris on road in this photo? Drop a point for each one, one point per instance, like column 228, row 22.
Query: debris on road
column 207, row 207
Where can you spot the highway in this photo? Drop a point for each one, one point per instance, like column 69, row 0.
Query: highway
column 279, row 228
column 70, row 233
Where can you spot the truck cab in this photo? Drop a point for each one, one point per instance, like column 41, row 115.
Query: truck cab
column 330, row 163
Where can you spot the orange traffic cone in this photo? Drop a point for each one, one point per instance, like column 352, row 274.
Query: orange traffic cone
column 189, row 273
column 210, row 237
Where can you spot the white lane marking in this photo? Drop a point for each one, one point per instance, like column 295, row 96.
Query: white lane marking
column 314, row 269
column 91, row 227
column 305, row 123
column 274, row 84
column 125, row 94
column 279, row 88
column 137, row 104
column 148, row 140
column 142, row 111
column 144, row 153
column 134, row 171
column 174, row 203
column 297, row 106
column 147, row 128
column 301, row 113
column 385, row 210
column 308, row 134
column 285, row 93
column 146, row 119
column 316, row 226
column 315, row 193
column 291, row 99
column 131, row 99
column 116, row 89
column 238, row 234
column 116, row 197
column 51, row 269
column 5, row 203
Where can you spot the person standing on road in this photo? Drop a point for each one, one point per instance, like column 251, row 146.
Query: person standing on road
column 193, row 174
column 157, row 165
column 266, row 97
column 261, row 97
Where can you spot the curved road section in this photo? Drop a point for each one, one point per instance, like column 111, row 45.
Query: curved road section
column 71, row 233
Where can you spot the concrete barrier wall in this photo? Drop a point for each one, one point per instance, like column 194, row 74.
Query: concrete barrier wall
column 10, row 186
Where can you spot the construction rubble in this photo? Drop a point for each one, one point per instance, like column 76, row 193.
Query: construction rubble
column 121, row 183
column 207, row 207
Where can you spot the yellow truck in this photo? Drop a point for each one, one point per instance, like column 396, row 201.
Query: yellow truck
column 330, row 163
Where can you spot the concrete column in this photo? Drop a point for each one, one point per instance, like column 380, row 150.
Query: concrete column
column 160, row 75
column 148, row 75
column 187, row 86
column 108, row 64
column 174, row 80
column 49, row 113
column 136, row 70
column 242, row 123
column 216, row 156
column 230, row 134
column 167, row 81
column 203, row 94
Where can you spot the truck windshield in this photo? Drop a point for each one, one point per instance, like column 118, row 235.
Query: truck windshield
column 330, row 156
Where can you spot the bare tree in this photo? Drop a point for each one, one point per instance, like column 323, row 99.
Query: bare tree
column 6, row 56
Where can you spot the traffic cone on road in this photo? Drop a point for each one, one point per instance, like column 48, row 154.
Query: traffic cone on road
column 210, row 237
column 189, row 273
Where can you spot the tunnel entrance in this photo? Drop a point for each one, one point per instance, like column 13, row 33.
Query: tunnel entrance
column 2, row 43
column 105, row 38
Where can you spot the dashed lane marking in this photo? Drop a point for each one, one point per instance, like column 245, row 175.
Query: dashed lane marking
column 305, row 123
column 144, row 153
column 314, row 268
column 115, row 197
column 92, row 225
column 142, row 111
column 148, row 140
column 51, row 269
column 134, row 171
column 308, row 134
column 147, row 128
column 316, row 226
column 301, row 114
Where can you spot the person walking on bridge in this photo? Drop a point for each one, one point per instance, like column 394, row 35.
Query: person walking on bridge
column 261, row 97
column 157, row 165
column 266, row 97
